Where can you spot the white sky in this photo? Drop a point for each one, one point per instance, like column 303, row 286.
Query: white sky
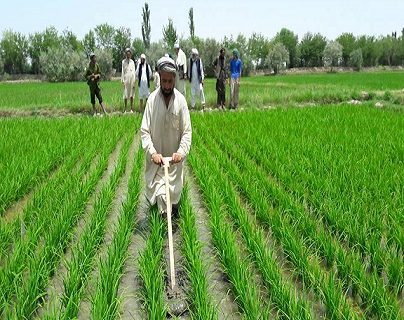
column 212, row 18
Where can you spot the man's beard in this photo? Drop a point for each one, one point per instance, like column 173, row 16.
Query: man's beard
column 167, row 93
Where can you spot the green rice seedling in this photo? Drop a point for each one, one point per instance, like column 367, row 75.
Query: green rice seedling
column 151, row 270
column 105, row 304
column 200, row 301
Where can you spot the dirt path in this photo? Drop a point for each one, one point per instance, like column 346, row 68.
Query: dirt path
column 55, row 286
column 220, row 288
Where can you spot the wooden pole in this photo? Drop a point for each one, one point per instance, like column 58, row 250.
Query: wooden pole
column 169, row 224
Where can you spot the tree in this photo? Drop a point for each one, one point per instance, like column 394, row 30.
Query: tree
column 1, row 65
column 89, row 43
column 122, row 39
column 371, row 50
column 289, row 40
column 356, row 59
column 104, row 36
column 347, row 41
column 258, row 47
column 69, row 40
column 311, row 50
column 138, row 47
column 332, row 54
column 41, row 42
column 146, row 28
column 170, row 34
column 14, row 51
column 155, row 52
column 278, row 57
column 191, row 24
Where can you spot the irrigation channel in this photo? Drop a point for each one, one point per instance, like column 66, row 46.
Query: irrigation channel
column 262, row 232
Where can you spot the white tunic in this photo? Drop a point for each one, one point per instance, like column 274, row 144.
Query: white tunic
column 165, row 131
column 128, row 77
column 143, row 87
column 181, row 61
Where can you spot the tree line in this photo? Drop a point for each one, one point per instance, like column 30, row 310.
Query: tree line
column 61, row 56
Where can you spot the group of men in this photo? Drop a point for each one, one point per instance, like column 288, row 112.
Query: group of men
column 191, row 70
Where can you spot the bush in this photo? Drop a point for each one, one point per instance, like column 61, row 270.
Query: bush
column 332, row 54
column 356, row 59
column 59, row 65
column 105, row 60
column 1, row 65
column 278, row 57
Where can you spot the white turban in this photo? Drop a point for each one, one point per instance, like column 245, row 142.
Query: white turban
column 166, row 64
column 143, row 56
column 194, row 51
column 176, row 45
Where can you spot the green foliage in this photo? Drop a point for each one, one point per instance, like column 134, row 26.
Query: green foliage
column 311, row 50
column 41, row 42
column 14, row 52
column 154, row 53
column 146, row 28
column 278, row 57
column 356, row 59
column 122, row 39
column 69, row 40
column 258, row 49
column 1, row 65
column 89, row 43
column 104, row 36
column 191, row 24
column 290, row 41
column 170, row 35
column 62, row 64
column 105, row 60
column 332, row 54
column 347, row 41
column 138, row 47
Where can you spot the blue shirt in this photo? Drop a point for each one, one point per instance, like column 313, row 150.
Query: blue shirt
column 235, row 68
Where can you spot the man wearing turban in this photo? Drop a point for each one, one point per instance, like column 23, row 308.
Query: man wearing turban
column 128, row 77
column 181, row 69
column 235, row 71
column 165, row 132
column 196, row 77
column 143, row 74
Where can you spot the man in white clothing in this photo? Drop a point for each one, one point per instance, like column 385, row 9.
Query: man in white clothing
column 196, row 77
column 143, row 74
column 181, row 69
column 165, row 132
column 128, row 77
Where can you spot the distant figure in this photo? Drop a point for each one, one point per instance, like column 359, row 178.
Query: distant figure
column 196, row 77
column 93, row 76
column 143, row 73
column 235, row 71
column 165, row 132
column 156, row 78
column 220, row 68
column 181, row 74
column 128, row 79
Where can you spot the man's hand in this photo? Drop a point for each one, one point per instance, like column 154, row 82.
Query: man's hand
column 177, row 157
column 157, row 158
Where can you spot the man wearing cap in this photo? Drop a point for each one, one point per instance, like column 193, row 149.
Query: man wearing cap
column 196, row 77
column 165, row 132
column 128, row 77
column 93, row 75
column 181, row 69
column 143, row 73
column 235, row 71
column 221, row 70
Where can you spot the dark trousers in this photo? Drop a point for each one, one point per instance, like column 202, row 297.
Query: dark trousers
column 221, row 92
column 95, row 92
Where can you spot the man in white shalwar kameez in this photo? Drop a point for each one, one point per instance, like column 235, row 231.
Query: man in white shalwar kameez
column 143, row 74
column 181, row 63
column 128, row 78
column 196, row 77
column 165, row 132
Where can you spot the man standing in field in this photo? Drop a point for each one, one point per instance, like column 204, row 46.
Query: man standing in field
column 235, row 71
column 93, row 75
column 220, row 69
column 143, row 73
column 165, row 132
column 196, row 77
column 128, row 77
column 181, row 69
